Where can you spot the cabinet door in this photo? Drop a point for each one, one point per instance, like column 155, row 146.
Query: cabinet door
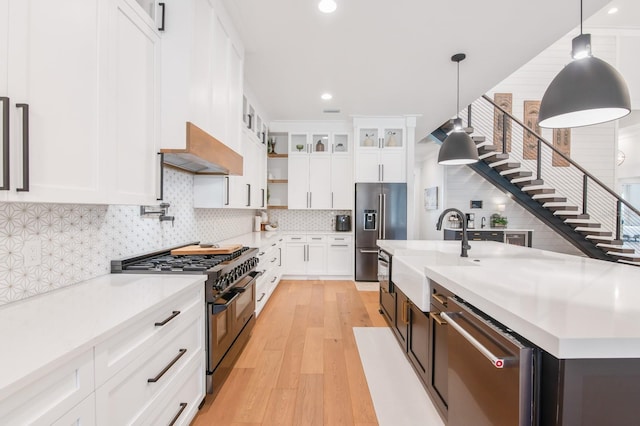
column 210, row 191
column 316, row 256
column 55, row 66
column 437, row 378
column 393, row 166
column 135, row 65
column 400, row 328
column 418, row 344
column 320, row 182
column 220, row 71
column 295, row 258
column 340, row 258
column 367, row 166
column 342, row 189
column 234, row 118
column 82, row 414
column 298, row 191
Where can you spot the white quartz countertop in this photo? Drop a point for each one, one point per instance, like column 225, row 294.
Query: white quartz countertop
column 42, row 332
column 259, row 239
column 570, row 306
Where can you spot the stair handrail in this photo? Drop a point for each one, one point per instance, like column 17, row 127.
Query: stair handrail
column 576, row 165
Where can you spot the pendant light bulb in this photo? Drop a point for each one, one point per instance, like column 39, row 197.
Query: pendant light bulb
column 327, row 6
column 458, row 148
column 587, row 91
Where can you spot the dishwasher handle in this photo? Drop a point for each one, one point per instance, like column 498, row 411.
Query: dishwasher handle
column 498, row 362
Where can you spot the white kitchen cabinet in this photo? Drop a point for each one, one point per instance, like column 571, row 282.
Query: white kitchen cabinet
column 46, row 400
column 133, row 374
column 75, row 111
column 380, row 150
column 82, row 414
column 270, row 264
column 236, row 192
column 54, row 92
column 309, row 183
column 202, row 66
column 135, row 46
column 342, row 189
column 306, row 254
column 340, row 255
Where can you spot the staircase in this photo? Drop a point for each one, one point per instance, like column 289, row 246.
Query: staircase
column 551, row 186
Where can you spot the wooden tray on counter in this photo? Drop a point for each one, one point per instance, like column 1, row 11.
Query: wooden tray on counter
column 196, row 249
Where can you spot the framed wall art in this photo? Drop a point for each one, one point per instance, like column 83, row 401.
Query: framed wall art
column 505, row 101
column 431, row 198
column 562, row 142
column 529, row 141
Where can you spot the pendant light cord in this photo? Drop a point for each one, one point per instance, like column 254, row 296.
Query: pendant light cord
column 580, row 16
column 458, row 93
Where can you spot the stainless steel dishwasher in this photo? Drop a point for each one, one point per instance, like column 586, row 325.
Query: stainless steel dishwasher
column 491, row 371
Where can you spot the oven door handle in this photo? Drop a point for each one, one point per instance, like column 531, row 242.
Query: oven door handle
column 254, row 276
column 217, row 307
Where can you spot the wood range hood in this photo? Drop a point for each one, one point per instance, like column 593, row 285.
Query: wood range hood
column 204, row 154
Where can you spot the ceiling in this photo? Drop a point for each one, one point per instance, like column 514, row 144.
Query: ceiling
column 392, row 57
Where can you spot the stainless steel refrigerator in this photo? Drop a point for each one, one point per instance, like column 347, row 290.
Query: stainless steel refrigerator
column 380, row 214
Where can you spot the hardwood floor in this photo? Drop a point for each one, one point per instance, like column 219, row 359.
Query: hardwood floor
column 301, row 365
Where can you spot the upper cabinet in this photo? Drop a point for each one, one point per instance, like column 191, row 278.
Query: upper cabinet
column 202, row 69
column 79, row 102
column 381, row 148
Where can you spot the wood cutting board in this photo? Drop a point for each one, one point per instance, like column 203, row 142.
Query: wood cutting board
column 196, row 249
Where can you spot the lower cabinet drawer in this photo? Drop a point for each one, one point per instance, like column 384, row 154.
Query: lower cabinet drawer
column 46, row 400
column 82, row 414
column 186, row 393
column 120, row 350
column 125, row 397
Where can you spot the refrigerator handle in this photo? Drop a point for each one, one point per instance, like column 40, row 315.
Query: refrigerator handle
column 384, row 216
column 379, row 217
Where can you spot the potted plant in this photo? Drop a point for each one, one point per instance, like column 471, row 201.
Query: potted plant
column 498, row 221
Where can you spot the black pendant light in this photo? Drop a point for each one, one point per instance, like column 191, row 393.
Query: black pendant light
column 458, row 147
column 587, row 91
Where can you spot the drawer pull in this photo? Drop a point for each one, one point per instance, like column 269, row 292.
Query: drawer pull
column 339, row 245
column 296, row 238
column 274, row 259
column 437, row 318
column 440, row 299
column 274, row 279
column 164, row 370
column 172, row 316
column 316, row 238
column 273, row 245
column 261, row 253
column 183, row 405
column 262, row 297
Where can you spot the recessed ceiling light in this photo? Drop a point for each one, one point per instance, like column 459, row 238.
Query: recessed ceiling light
column 326, row 96
column 612, row 10
column 327, row 6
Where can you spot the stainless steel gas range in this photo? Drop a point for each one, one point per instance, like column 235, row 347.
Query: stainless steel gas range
column 229, row 293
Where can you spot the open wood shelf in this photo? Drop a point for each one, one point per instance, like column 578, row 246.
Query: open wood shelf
column 278, row 155
column 278, row 181
column 278, row 207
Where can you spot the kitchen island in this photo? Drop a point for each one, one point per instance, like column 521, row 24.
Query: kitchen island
column 581, row 313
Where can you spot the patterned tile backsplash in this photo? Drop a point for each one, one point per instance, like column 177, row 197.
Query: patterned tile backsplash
column 305, row 220
column 77, row 242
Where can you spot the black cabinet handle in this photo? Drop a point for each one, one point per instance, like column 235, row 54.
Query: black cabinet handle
column 226, row 203
column 261, row 297
column 164, row 370
column 262, row 196
column 161, row 154
column 183, row 405
column 164, row 9
column 248, row 194
column 5, row 143
column 172, row 316
column 25, row 147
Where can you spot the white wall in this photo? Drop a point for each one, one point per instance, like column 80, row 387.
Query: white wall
column 629, row 143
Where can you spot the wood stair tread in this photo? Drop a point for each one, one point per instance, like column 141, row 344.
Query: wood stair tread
column 603, row 239
column 527, row 182
column 548, row 198
column 608, row 248
column 588, row 231
column 562, row 210
column 538, row 191
column 623, row 256
column 583, row 224
column 508, row 165
column 514, row 173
